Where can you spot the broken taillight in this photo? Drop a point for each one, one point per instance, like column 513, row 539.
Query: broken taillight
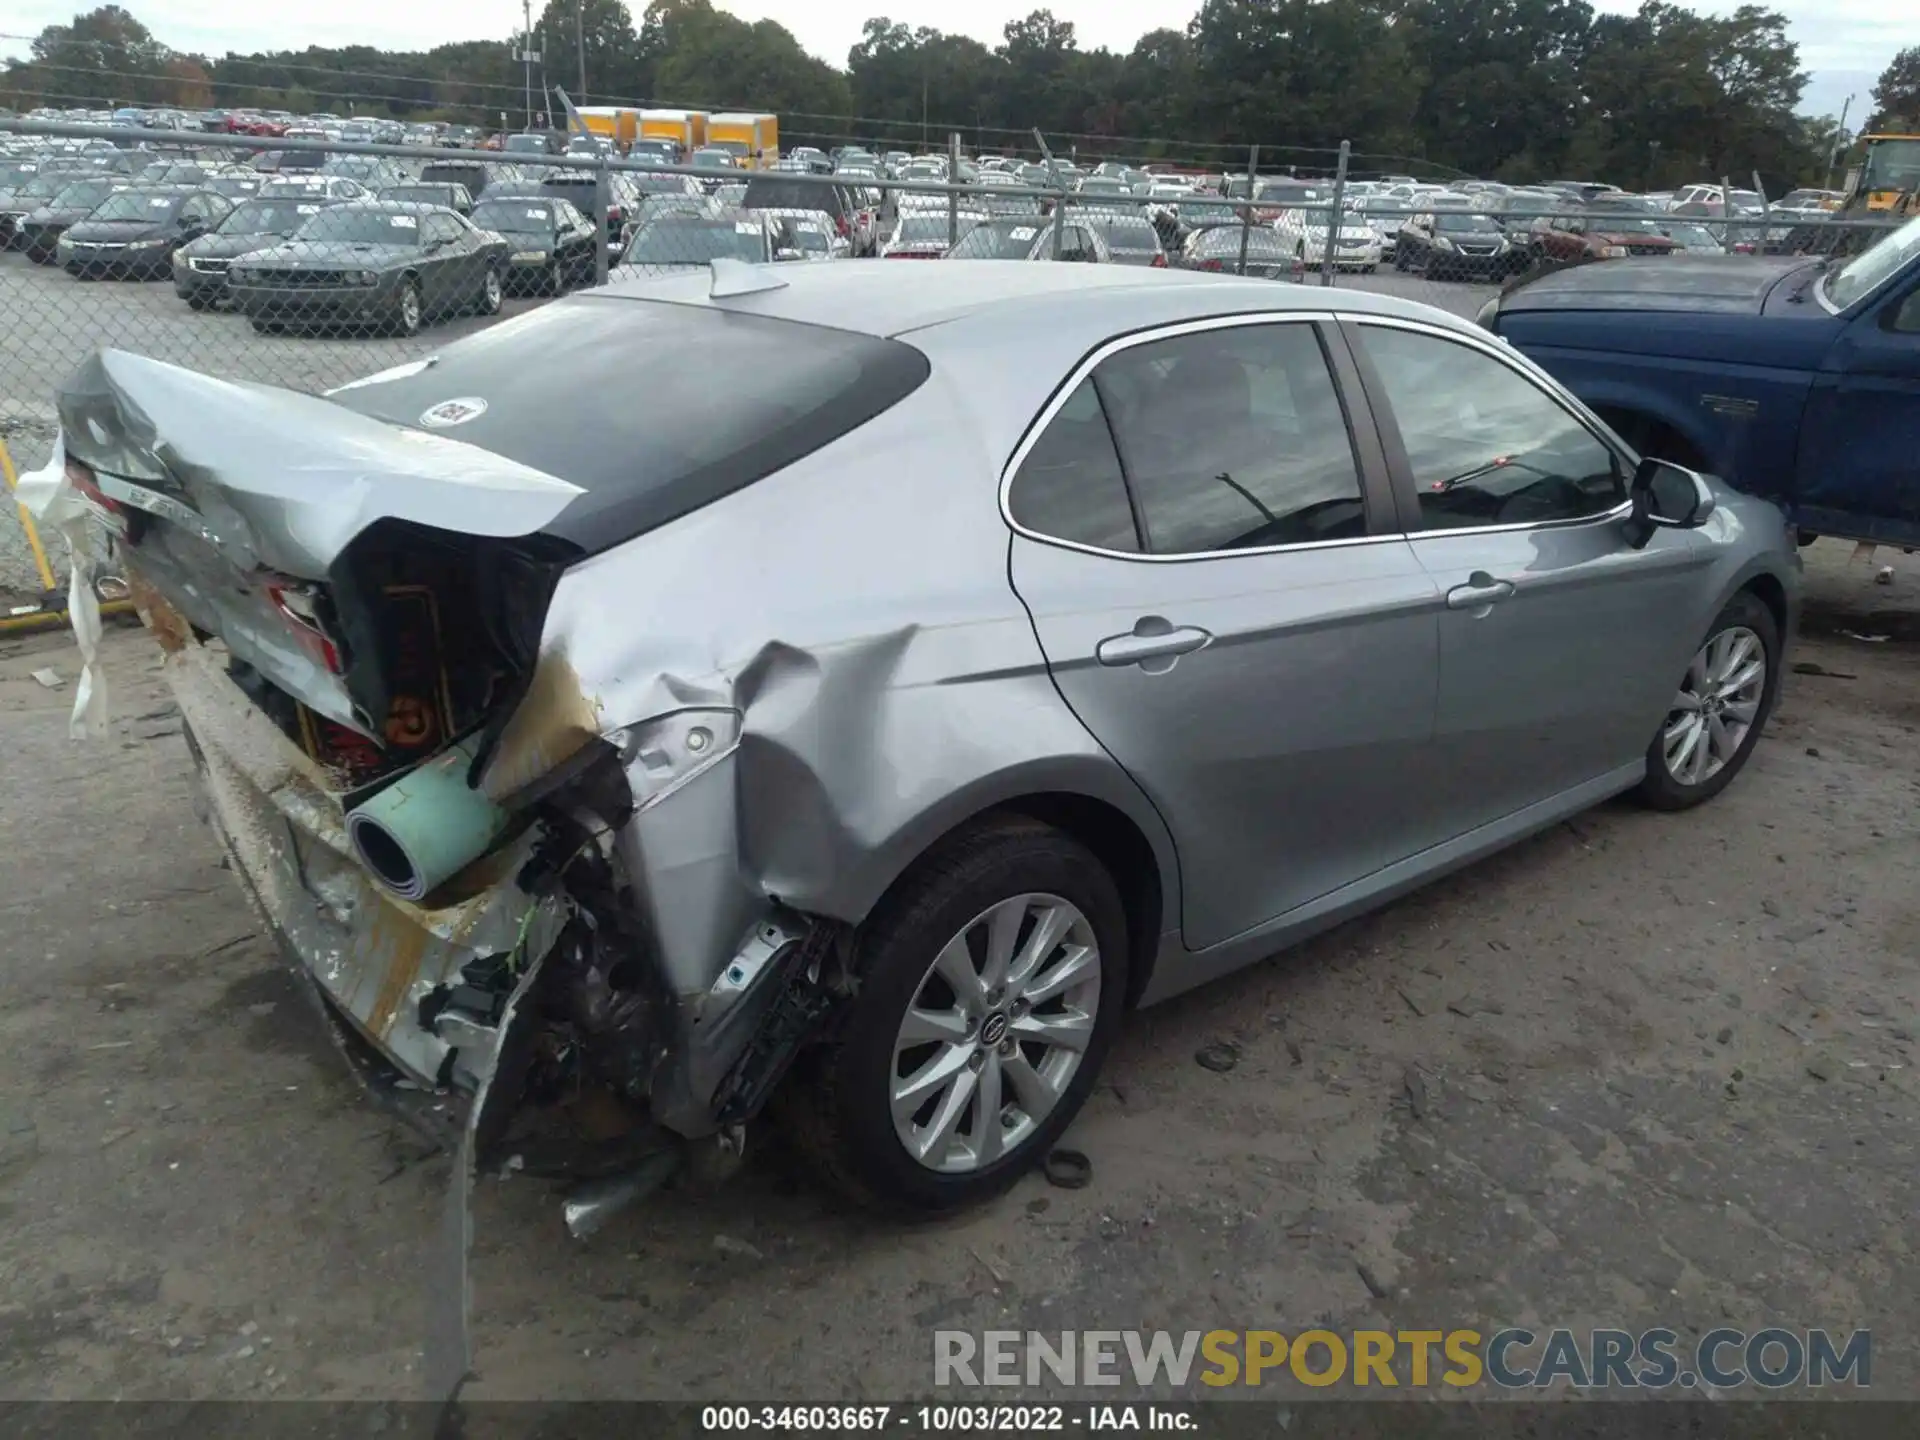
column 1159, row 262
column 299, row 603
column 117, row 518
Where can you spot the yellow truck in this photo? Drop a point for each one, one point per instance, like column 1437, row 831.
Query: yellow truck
column 618, row 123
column 754, row 140
column 685, row 128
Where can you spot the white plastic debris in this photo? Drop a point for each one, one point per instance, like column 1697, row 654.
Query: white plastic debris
column 55, row 505
column 49, row 677
column 1884, row 575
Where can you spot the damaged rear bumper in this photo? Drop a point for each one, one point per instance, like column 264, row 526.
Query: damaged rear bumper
column 688, row 1004
column 376, row 959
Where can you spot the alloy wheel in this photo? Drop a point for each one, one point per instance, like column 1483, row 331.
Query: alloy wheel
column 994, row 1032
column 1716, row 707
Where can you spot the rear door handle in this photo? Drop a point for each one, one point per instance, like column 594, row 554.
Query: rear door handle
column 1152, row 638
column 1480, row 591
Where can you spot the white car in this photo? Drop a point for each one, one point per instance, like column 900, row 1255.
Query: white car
column 1356, row 247
column 926, row 235
column 808, row 233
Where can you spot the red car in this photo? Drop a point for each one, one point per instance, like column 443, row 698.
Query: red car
column 1602, row 232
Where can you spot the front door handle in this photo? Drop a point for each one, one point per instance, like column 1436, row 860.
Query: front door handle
column 1480, row 592
column 1151, row 639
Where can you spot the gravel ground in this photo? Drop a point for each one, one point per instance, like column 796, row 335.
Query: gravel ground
column 1639, row 1070
column 52, row 322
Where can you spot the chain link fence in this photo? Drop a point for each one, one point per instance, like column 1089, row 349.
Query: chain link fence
column 308, row 264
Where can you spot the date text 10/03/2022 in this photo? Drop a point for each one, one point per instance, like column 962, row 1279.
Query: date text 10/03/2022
column 941, row 1419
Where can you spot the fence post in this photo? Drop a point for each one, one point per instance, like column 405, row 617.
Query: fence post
column 1059, row 215
column 1333, row 221
column 1246, row 212
column 604, row 240
column 953, row 196
column 1726, row 214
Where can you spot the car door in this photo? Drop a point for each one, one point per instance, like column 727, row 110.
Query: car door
column 1205, row 541
column 1862, row 430
column 447, row 265
column 1561, row 645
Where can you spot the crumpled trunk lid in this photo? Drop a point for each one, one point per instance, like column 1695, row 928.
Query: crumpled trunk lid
column 330, row 551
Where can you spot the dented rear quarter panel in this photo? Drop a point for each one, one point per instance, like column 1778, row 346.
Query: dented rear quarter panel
column 855, row 609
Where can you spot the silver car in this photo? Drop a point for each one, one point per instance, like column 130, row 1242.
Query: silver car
column 913, row 669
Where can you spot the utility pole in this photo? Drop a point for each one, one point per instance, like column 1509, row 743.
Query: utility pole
column 580, row 43
column 1839, row 140
column 526, row 54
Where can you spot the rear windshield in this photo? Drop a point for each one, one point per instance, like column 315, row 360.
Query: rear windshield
column 676, row 441
column 514, row 216
column 683, row 240
column 471, row 176
column 1127, row 235
column 777, row 192
column 997, row 242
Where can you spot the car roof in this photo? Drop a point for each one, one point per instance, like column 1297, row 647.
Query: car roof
column 893, row 300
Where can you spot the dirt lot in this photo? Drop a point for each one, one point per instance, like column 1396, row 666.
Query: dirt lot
column 1663, row 1077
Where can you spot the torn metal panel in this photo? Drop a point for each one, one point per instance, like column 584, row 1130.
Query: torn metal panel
column 449, row 1348
column 377, row 957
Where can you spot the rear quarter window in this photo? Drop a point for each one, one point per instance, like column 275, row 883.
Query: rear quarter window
column 772, row 193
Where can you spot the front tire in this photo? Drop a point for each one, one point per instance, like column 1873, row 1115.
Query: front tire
column 992, row 982
column 1716, row 717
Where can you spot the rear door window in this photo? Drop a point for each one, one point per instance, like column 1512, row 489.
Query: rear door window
column 1234, row 439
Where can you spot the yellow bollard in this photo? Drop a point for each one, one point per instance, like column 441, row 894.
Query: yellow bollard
column 49, row 582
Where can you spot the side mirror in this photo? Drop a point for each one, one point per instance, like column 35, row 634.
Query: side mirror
column 1666, row 496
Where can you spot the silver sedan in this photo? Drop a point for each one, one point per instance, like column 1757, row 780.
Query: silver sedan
column 842, row 729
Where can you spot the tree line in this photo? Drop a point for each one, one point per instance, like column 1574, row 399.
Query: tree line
column 1507, row 89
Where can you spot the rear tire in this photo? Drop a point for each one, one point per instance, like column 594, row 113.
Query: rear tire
column 841, row 1103
column 406, row 309
column 492, row 293
column 1698, row 747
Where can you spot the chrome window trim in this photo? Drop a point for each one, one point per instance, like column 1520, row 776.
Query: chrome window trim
column 1171, row 330
column 1497, row 349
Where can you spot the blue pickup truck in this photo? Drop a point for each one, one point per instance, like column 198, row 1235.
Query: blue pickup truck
column 1793, row 378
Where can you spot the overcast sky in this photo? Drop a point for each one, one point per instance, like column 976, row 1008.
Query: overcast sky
column 1845, row 43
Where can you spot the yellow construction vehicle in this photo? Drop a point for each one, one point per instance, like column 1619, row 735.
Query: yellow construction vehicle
column 1888, row 182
